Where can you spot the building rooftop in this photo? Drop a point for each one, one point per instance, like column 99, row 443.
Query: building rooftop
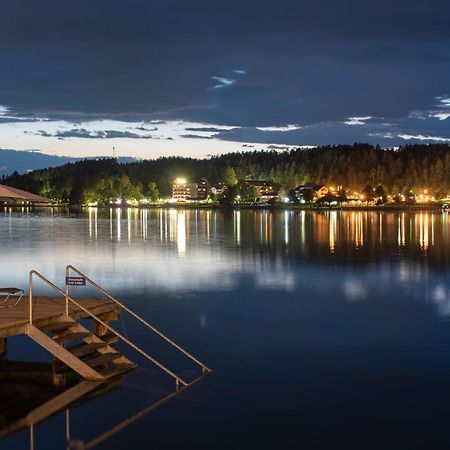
column 10, row 194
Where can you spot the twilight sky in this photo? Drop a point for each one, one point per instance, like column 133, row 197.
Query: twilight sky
column 203, row 77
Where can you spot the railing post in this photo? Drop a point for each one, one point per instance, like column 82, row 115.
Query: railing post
column 30, row 290
column 67, row 291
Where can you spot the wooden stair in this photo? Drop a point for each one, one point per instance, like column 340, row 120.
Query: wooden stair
column 81, row 350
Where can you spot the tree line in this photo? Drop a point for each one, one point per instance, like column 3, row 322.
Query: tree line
column 399, row 170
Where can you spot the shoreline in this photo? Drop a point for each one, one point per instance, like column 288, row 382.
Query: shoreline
column 283, row 207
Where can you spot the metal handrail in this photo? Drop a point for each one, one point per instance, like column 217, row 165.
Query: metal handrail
column 108, row 327
column 204, row 367
column 127, row 422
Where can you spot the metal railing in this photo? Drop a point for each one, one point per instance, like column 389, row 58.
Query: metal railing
column 177, row 379
column 204, row 367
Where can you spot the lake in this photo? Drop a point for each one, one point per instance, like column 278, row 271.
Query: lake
column 324, row 329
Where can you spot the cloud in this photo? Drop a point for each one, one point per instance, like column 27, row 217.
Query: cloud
column 195, row 136
column 357, row 120
column 420, row 137
column 141, row 128
column 207, row 129
column 277, row 147
column 86, row 134
column 282, row 128
column 304, row 63
column 387, row 132
column 223, row 82
column 441, row 115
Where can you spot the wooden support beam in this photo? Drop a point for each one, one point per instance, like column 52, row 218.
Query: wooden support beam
column 88, row 373
column 3, row 349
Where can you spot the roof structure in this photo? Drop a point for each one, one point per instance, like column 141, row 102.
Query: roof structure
column 13, row 195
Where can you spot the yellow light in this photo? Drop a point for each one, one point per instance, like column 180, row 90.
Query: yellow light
column 180, row 181
column 425, row 191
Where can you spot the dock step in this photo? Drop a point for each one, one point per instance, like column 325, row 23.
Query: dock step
column 81, row 350
column 93, row 359
column 70, row 337
column 57, row 327
column 109, row 338
column 98, row 359
column 119, row 370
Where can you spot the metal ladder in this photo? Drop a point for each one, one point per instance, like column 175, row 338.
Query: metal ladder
column 72, row 331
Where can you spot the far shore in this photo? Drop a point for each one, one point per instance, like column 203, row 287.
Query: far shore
column 279, row 207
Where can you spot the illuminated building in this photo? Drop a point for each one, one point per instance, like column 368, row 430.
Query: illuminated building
column 264, row 190
column 310, row 191
column 186, row 191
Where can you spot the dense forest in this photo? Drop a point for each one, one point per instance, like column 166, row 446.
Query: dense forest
column 411, row 167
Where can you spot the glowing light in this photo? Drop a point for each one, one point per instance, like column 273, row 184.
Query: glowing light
column 180, row 181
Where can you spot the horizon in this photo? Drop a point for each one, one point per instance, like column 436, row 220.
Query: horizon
column 83, row 79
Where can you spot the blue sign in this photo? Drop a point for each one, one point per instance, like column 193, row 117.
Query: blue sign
column 75, row 281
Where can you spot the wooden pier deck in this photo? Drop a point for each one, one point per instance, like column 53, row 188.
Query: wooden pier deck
column 48, row 310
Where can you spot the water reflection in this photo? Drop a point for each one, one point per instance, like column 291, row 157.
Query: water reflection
column 197, row 249
column 333, row 230
column 354, row 303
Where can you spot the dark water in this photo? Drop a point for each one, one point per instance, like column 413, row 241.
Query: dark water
column 324, row 329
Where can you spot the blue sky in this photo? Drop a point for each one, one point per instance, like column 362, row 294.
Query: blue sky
column 201, row 77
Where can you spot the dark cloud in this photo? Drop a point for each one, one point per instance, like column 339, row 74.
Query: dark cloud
column 195, row 136
column 277, row 147
column 291, row 61
column 206, row 129
column 386, row 132
column 85, row 134
column 14, row 120
column 146, row 129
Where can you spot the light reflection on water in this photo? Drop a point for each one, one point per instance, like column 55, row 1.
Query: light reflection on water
column 197, row 249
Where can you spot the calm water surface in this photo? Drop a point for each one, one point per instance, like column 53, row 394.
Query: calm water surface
column 324, row 329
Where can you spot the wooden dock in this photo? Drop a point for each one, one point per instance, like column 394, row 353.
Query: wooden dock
column 88, row 352
column 48, row 310
column 55, row 324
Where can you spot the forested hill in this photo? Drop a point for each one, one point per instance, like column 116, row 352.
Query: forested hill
column 409, row 167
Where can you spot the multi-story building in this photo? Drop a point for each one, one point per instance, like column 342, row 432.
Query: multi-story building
column 264, row 190
column 310, row 192
column 183, row 190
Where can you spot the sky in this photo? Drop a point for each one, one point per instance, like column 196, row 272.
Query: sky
column 198, row 78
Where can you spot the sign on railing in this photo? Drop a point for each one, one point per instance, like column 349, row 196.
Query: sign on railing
column 75, row 281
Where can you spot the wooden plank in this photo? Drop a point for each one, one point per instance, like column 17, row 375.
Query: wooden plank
column 117, row 370
column 57, row 327
column 100, row 358
column 88, row 373
column 86, row 349
column 70, row 337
